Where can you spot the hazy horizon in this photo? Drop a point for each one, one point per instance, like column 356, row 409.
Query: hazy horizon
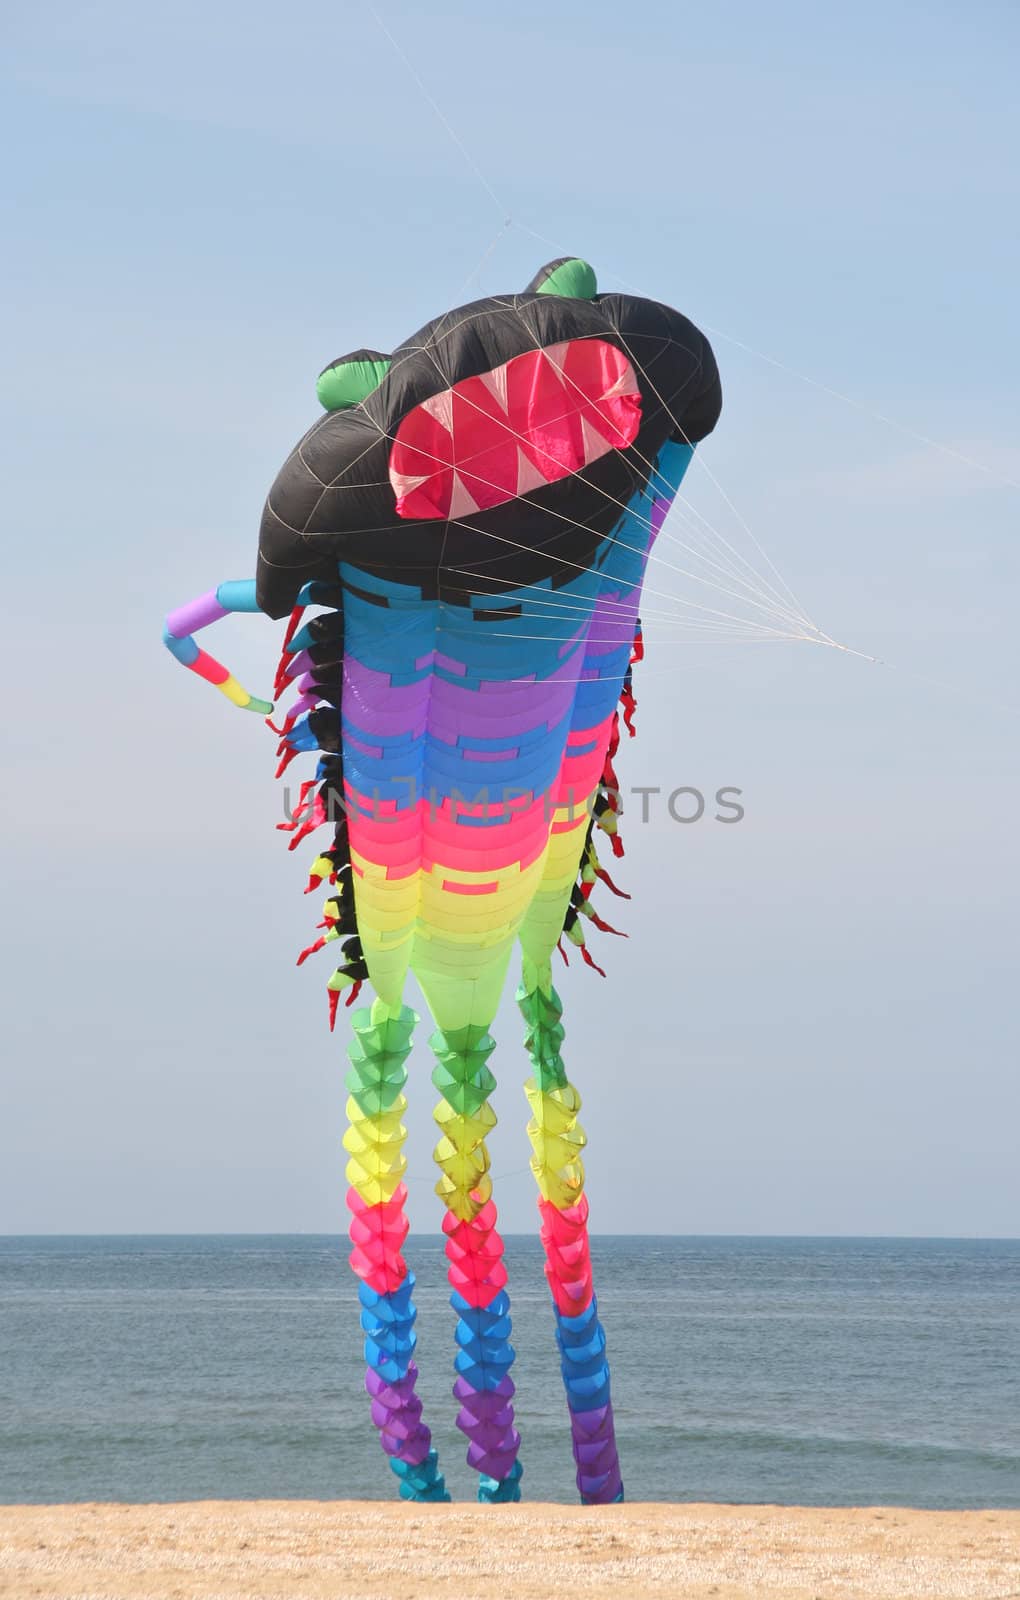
column 507, row 1233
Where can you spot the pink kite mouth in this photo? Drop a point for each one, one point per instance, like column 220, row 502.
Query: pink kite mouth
column 537, row 418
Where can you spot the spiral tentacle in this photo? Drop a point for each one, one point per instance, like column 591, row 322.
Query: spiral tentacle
column 374, row 1142
column 474, row 1251
column 557, row 1139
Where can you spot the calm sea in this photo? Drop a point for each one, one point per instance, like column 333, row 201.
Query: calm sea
column 811, row 1371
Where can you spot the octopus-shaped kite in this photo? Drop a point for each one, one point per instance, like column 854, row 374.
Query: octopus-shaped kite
column 472, row 517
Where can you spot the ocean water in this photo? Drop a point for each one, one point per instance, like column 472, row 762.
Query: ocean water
column 808, row 1371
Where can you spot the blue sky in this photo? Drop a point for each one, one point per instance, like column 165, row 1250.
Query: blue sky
column 813, row 1025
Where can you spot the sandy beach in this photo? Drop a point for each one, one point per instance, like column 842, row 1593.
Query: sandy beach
column 368, row 1550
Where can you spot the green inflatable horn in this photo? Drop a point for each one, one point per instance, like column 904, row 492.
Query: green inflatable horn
column 350, row 379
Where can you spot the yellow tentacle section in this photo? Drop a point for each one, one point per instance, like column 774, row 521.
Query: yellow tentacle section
column 557, row 1139
column 375, row 1145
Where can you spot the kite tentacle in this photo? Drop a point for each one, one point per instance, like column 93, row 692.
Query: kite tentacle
column 180, row 625
column 374, row 1141
column 311, row 658
column 474, row 1251
column 558, row 1139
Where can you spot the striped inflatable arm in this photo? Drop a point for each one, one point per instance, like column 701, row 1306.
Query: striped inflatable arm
column 182, row 624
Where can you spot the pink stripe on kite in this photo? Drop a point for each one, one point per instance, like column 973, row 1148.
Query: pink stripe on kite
column 208, row 669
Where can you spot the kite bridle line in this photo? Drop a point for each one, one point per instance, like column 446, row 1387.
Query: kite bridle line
column 817, row 636
column 427, row 349
column 442, row 331
column 763, row 596
column 760, row 585
column 571, row 522
column 761, row 604
column 239, row 596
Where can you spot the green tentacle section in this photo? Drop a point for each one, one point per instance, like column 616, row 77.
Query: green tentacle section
column 542, row 1008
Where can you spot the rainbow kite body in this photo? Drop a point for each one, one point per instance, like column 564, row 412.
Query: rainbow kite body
column 471, row 519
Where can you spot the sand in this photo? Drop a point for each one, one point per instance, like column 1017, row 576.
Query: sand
column 368, row 1550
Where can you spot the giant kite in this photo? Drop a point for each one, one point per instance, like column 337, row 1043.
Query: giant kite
column 459, row 543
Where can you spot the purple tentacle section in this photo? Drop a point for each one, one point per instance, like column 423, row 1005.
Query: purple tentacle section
column 196, row 614
column 396, row 1412
column 598, row 1468
column 486, row 1417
